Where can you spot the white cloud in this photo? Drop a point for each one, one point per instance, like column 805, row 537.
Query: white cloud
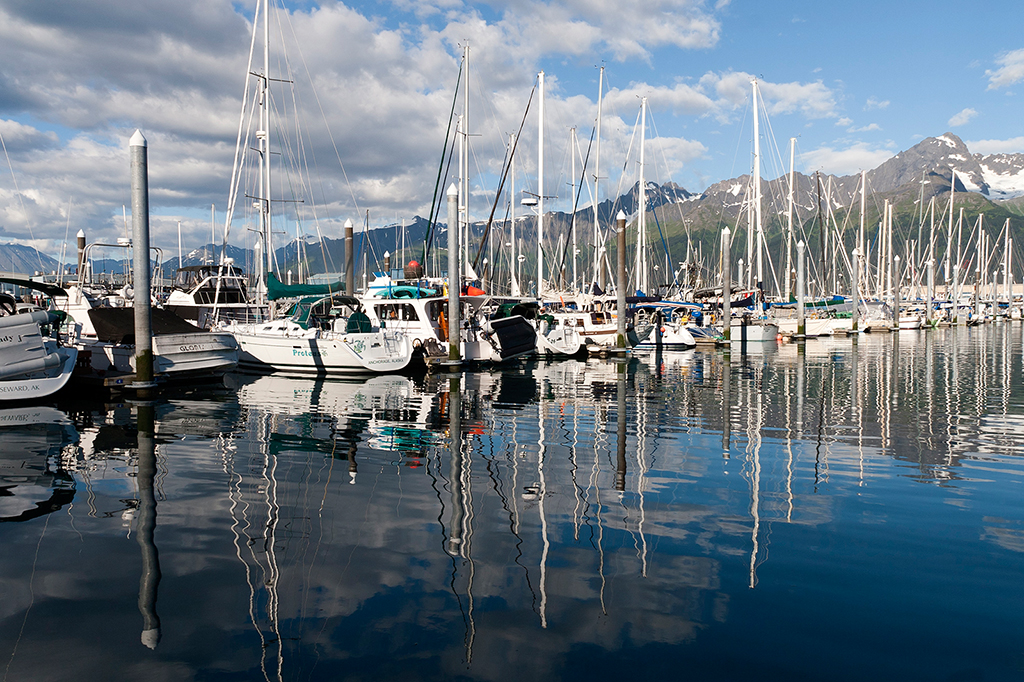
column 844, row 121
column 871, row 127
column 874, row 103
column 852, row 159
column 1014, row 145
column 577, row 27
column 95, row 70
column 1010, row 71
column 963, row 117
column 813, row 100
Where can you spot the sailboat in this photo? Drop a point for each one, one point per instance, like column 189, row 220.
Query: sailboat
column 323, row 333
column 754, row 327
column 554, row 335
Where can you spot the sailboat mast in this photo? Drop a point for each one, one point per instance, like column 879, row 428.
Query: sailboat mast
column 460, row 227
column 513, row 259
column 597, row 179
column 641, row 243
column 860, row 234
column 464, row 164
column 789, row 217
column 540, row 189
column 265, row 143
column 1006, row 266
column 574, row 150
column 950, row 272
column 757, row 194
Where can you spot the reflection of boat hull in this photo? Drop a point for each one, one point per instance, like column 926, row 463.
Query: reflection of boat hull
column 33, row 481
column 387, row 408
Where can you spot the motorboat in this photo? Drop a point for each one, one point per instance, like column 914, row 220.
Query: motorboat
column 35, row 361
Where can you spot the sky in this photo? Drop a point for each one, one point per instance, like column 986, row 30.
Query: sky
column 372, row 84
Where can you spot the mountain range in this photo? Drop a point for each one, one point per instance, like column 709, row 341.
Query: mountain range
column 992, row 184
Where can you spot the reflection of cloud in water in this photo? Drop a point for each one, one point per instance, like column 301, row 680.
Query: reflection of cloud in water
column 1007, row 533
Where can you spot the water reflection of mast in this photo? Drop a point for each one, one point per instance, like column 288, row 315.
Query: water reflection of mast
column 641, row 480
column 789, row 447
column 754, row 449
column 543, row 517
column 461, row 529
column 240, row 527
column 150, row 580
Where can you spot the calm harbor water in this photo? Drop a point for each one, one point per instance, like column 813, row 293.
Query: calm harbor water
column 837, row 512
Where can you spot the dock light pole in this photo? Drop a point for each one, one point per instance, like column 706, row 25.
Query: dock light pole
column 454, row 277
column 140, row 234
column 801, row 325
column 620, row 285
column 726, row 285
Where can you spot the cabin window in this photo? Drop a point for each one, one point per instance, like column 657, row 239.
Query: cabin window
column 397, row 311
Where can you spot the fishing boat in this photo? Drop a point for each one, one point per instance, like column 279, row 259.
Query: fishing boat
column 35, row 362
column 105, row 338
column 208, row 294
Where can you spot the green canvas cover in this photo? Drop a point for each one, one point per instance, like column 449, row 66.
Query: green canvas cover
column 277, row 290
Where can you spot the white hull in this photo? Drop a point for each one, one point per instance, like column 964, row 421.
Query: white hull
column 30, row 388
column 32, row 365
column 755, row 332
column 673, row 337
column 910, row 322
column 175, row 356
column 313, row 352
column 813, row 326
column 560, row 341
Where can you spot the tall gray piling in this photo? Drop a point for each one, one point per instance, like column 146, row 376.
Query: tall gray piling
column 350, row 259
column 620, row 284
column 801, row 325
column 726, row 284
column 855, row 312
column 81, row 258
column 140, row 236
column 931, row 294
column 896, row 294
column 455, row 277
